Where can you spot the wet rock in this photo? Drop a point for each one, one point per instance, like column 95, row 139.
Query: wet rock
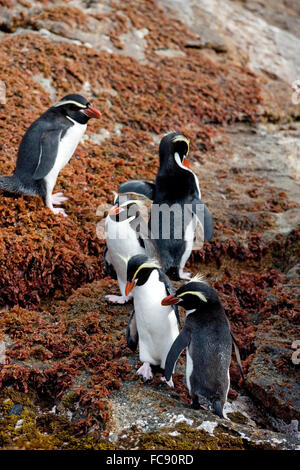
column 165, row 423
column 16, row 409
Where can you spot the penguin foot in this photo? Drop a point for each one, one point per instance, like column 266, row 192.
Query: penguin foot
column 146, row 371
column 184, row 275
column 58, row 198
column 117, row 299
column 59, row 210
column 168, row 382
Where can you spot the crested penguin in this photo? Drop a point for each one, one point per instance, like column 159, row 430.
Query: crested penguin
column 177, row 207
column 123, row 240
column 207, row 337
column 154, row 328
column 47, row 147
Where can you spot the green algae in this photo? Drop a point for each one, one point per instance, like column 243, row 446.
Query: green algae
column 182, row 437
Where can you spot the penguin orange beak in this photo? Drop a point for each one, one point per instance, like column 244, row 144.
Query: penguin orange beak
column 92, row 112
column 129, row 287
column 170, row 300
column 186, row 162
column 114, row 210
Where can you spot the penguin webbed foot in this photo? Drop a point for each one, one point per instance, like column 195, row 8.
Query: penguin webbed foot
column 168, row 382
column 58, row 198
column 145, row 371
column 184, row 275
column 117, row 299
column 58, row 210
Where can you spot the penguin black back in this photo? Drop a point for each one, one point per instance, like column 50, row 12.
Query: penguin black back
column 206, row 335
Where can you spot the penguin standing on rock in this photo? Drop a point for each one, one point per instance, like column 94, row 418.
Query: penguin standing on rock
column 150, row 324
column 208, row 339
column 123, row 240
column 177, row 207
column 47, row 147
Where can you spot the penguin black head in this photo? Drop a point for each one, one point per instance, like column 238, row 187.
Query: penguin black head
column 194, row 295
column 77, row 108
column 174, row 150
column 139, row 268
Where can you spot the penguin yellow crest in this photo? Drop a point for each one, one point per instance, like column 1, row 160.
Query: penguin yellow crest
column 62, row 103
column 196, row 293
column 150, row 263
column 182, row 138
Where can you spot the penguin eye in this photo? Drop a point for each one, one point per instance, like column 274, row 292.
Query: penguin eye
column 74, row 107
column 181, row 148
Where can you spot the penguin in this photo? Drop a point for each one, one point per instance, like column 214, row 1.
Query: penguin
column 177, row 206
column 123, row 239
column 150, row 324
column 47, row 147
column 208, row 339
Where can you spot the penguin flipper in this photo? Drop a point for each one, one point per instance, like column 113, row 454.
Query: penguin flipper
column 49, row 143
column 170, row 290
column 138, row 187
column 180, row 343
column 109, row 268
column 132, row 335
column 205, row 219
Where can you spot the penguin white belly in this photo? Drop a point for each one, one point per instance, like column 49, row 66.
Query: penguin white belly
column 157, row 326
column 66, row 148
column 189, row 239
column 189, row 370
column 121, row 241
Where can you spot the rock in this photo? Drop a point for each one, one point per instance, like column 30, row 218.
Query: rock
column 164, row 423
column 170, row 53
column 16, row 409
column 249, row 37
column 272, row 378
column 293, row 273
column 285, row 14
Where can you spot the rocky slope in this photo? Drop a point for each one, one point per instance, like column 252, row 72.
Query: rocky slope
column 222, row 73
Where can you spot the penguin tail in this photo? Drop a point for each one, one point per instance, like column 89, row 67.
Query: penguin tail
column 10, row 184
column 218, row 408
